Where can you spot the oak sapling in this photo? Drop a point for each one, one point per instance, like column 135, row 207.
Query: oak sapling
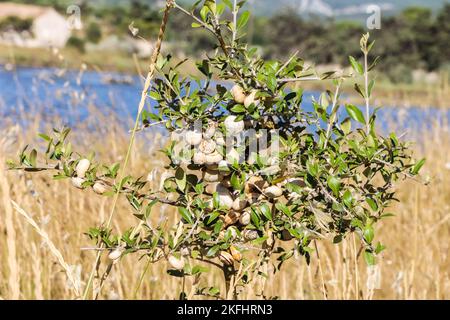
column 333, row 174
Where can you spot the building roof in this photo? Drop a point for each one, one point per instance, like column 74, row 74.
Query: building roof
column 22, row 11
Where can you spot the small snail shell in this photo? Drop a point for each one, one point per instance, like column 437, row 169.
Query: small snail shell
column 245, row 219
column 176, row 263
column 233, row 232
column 207, row 146
column 199, row 158
column 185, row 251
column 226, row 258
column 238, row 94
column 211, row 188
column 77, row 182
column 250, row 235
column 231, row 218
column 213, row 158
column 239, row 204
column 235, row 253
column 193, row 137
column 99, row 187
column 82, row 167
column 273, row 192
column 232, row 126
column 225, row 199
column 250, row 99
column 115, row 255
column 210, row 131
column 232, row 156
column 212, row 176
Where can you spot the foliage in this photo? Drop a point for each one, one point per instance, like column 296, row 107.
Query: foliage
column 333, row 175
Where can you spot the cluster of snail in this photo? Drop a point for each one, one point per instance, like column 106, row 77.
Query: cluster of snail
column 212, row 158
column 78, row 181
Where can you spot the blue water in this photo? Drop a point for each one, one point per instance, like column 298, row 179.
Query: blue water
column 70, row 97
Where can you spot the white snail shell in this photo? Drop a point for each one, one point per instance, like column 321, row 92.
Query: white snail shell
column 77, row 182
column 238, row 94
column 225, row 199
column 176, row 263
column 211, row 188
column 273, row 192
column 207, row 146
column 235, row 253
column 115, row 255
column 99, row 187
column 193, row 137
column 212, row 176
column 239, row 204
column 233, row 156
column 250, row 99
column 82, row 167
column 210, row 130
column 232, row 126
column 245, row 219
column 213, row 158
column 199, row 158
column 250, row 235
column 226, row 258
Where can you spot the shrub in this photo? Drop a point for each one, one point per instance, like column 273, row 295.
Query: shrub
column 77, row 43
column 317, row 174
column 93, row 32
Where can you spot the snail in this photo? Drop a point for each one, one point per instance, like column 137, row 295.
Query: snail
column 245, row 218
column 250, row 99
column 77, row 182
column 233, row 127
column 207, row 146
column 235, row 253
column 225, row 199
column 273, row 192
column 193, row 137
column 212, row 176
column 239, row 204
column 115, row 255
column 213, row 158
column 232, row 156
column 99, row 187
column 199, row 158
column 82, row 167
column 231, row 218
column 226, row 258
column 238, row 94
column 176, row 263
column 210, row 130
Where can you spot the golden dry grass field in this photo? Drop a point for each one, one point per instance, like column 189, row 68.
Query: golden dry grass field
column 35, row 260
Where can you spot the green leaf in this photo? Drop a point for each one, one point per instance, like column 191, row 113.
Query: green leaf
column 368, row 233
column 186, row 215
column 243, row 19
column 347, row 198
column 355, row 113
column 334, row 184
column 356, row 65
column 369, row 257
column 373, row 205
column 415, row 170
column 265, row 210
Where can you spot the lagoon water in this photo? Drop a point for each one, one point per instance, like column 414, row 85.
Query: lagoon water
column 70, row 96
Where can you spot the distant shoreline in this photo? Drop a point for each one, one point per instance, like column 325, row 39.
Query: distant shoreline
column 386, row 94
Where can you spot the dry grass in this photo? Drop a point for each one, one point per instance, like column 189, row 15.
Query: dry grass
column 415, row 265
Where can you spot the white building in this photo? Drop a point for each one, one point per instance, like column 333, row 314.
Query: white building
column 49, row 28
